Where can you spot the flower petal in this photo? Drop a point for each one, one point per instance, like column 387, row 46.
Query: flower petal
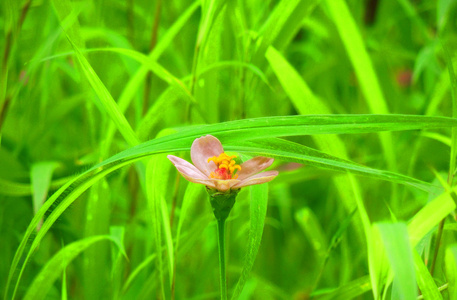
column 254, row 166
column 202, row 149
column 186, row 168
column 256, row 179
column 207, row 182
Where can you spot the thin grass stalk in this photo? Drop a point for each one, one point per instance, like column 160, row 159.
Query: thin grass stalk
column 222, row 262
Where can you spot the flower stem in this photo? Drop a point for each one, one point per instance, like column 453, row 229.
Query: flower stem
column 221, row 246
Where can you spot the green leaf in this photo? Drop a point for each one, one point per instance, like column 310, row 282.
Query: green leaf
column 313, row 230
column 259, row 203
column 429, row 216
column 424, row 279
column 398, row 250
column 451, row 270
column 366, row 75
column 109, row 105
column 192, row 194
column 157, row 176
column 41, row 174
column 56, row 265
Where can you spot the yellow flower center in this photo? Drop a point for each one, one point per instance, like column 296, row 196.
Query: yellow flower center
column 226, row 166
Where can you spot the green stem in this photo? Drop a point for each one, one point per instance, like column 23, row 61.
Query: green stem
column 221, row 244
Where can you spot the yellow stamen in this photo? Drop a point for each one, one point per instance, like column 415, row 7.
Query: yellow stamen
column 224, row 161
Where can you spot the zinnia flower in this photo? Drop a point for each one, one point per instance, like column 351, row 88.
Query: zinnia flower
column 217, row 170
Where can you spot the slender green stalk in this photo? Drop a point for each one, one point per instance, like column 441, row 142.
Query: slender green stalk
column 222, row 204
column 221, row 246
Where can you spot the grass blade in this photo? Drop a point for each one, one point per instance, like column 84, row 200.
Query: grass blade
column 55, row 266
column 451, row 270
column 424, row 279
column 398, row 250
column 259, row 203
column 366, row 75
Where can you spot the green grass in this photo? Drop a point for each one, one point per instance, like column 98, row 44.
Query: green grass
column 357, row 103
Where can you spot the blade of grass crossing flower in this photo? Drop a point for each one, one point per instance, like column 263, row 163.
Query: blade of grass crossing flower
column 157, row 176
column 56, row 265
column 258, row 213
column 398, row 250
column 451, row 270
column 294, row 126
column 294, row 152
column 424, row 280
column 355, row 47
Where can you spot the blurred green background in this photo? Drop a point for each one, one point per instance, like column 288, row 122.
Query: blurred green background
column 83, row 80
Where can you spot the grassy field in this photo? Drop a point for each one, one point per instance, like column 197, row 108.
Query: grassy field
column 355, row 100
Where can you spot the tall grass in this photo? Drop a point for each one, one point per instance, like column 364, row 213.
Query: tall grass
column 355, row 100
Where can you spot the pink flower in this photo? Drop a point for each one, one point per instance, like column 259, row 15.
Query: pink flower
column 217, row 170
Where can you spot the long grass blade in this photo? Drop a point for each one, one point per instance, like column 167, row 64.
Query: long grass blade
column 258, row 204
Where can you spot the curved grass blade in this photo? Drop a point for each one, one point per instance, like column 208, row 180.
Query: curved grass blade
column 54, row 207
column 258, row 205
column 137, row 271
column 291, row 126
column 293, row 152
column 56, row 265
